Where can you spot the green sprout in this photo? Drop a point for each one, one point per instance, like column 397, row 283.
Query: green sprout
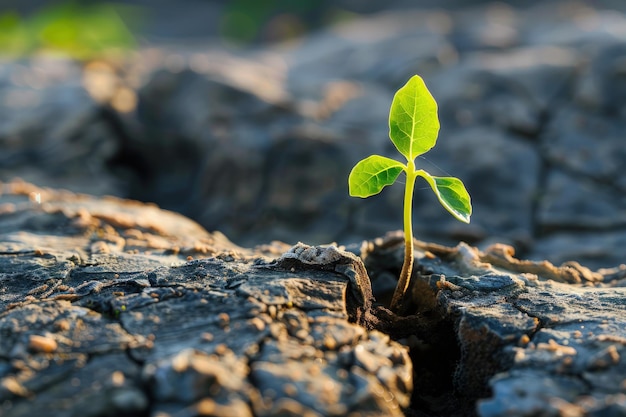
column 413, row 129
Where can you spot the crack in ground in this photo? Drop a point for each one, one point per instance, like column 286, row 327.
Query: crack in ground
column 540, row 322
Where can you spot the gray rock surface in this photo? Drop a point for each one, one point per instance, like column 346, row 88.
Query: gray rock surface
column 51, row 129
column 114, row 307
column 532, row 338
column 111, row 307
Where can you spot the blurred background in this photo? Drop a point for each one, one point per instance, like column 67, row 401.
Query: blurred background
column 239, row 21
column 247, row 116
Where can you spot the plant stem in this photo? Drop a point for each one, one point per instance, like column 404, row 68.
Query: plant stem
column 407, row 267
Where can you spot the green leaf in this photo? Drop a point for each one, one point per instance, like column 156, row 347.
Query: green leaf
column 372, row 174
column 413, row 121
column 451, row 194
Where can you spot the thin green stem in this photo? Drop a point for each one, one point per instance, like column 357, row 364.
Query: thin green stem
column 407, row 267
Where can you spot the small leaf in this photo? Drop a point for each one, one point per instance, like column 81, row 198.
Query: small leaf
column 413, row 121
column 372, row 174
column 451, row 194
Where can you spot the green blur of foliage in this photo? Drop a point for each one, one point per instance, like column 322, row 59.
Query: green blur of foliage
column 78, row 31
column 245, row 21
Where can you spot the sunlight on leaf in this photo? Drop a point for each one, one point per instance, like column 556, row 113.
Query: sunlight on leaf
column 413, row 121
column 451, row 194
column 372, row 174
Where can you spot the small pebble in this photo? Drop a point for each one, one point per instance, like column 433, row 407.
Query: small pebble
column 205, row 407
column 42, row 344
column 290, row 389
column 523, row 340
column 329, row 342
column 62, row 325
column 117, row 378
column 221, row 349
column 258, row 324
column 11, row 385
column 224, row 319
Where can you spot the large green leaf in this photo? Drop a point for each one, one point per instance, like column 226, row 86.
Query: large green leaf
column 451, row 194
column 413, row 121
column 372, row 174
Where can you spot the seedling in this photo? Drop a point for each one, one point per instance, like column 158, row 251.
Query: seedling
column 413, row 129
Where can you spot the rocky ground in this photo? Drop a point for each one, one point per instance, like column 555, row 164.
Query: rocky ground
column 111, row 307
column 256, row 144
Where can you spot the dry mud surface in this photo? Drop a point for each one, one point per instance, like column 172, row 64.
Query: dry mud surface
column 110, row 307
